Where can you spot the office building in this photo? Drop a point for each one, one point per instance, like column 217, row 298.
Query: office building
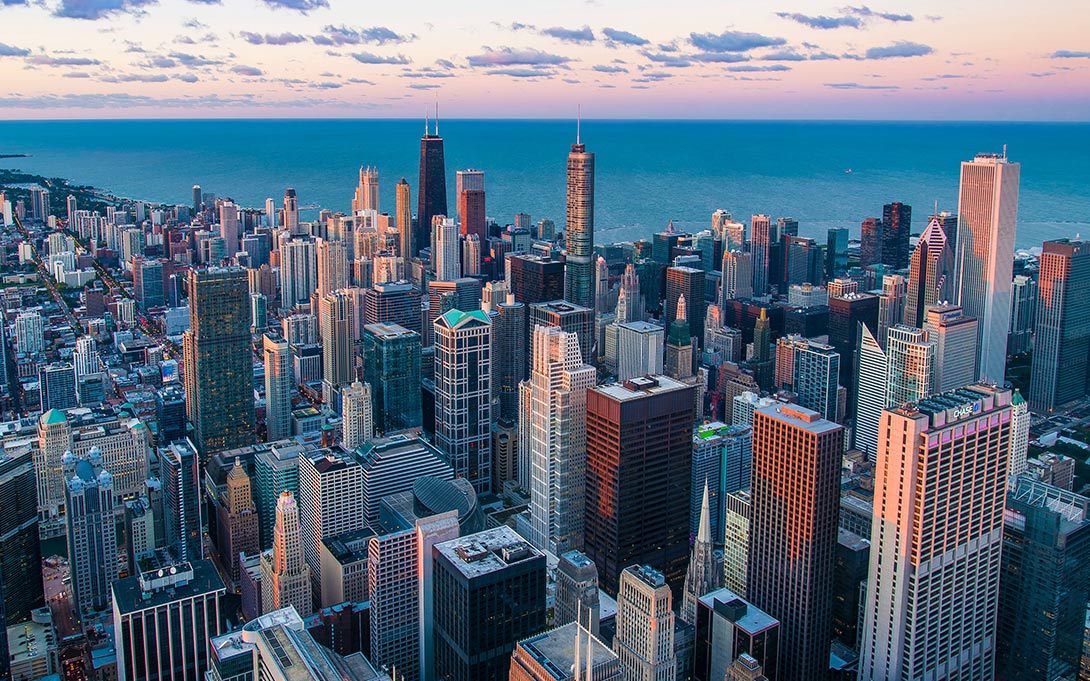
column 644, row 642
column 469, row 189
column 332, row 270
column 446, row 249
column 795, row 494
column 183, row 600
column 955, row 337
column 632, row 518
column 357, row 421
column 811, row 370
column 910, row 365
column 344, row 568
column 891, row 304
column 57, row 385
column 1043, row 584
column 686, row 282
column 987, row 215
column 931, row 273
column 218, row 367
column 298, row 272
column 330, row 498
column 577, row 592
column 509, row 351
column 565, row 653
column 285, row 575
column 534, row 278
column 20, row 548
column 279, row 384
column 391, row 364
column 639, row 349
column 579, row 228
column 836, row 252
column 492, row 576
column 847, row 313
column 463, row 394
column 705, row 573
column 730, row 629
column 463, row 293
column 337, row 314
column 392, row 465
column 147, row 283
column 432, row 188
column 92, row 543
column 870, row 242
column 896, row 228
column 1061, row 357
column 276, row 469
column 761, row 246
column 945, row 458
column 505, row 452
column 570, row 317
column 183, row 532
column 552, row 438
column 1023, row 314
column 392, row 303
column 1020, row 424
column 237, row 519
column 869, row 403
column 852, row 565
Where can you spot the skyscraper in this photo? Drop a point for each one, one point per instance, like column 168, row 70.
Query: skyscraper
column 463, row 394
column 330, row 498
column 285, row 576
column 793, row 531
column 535, row 279
column 391, row 364
column 836, row 252
column 20, row 548
column 278, row 386
column 814, row 371
column 896, row 227
column 689, row 282
column 1061, row 355
column 565, row 653
column 569, row 317
column 298, row 272
column 237, row 520
column 910, row 366
column 1023, row 314
column 332, row 261
column 403, row 215
column 639, row 349
column 291, row 212
column 641, row 425
column 891, row 304
column 869, row 403
column 337, row 313
column 178, row 473
column 92, row 544
column 931, row 273
column 955, row 339
column 870, row 242
column 730, row 631
column 679, row 344
column 577, row 591
column 366, row 197
column 57, row 386
column 579, row 229
column 447, row 249
column 939, row 496
column 229, row 227
column 645, row 625
column 761, row 235
column 552, row 438
column 432, row 190
column 218, row 367
column 357, row 419
column 509, row 352
column 987, row 215
column 469, row 189
column 492, row 576
column 847, row 314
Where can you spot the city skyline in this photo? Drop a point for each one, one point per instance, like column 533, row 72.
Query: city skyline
column 316, row 58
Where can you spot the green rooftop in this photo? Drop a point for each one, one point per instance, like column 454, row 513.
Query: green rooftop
column 54, row 417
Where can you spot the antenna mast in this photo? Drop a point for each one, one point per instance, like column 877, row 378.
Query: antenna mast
column 578, row 122
column 436, row 116
column 425, row 121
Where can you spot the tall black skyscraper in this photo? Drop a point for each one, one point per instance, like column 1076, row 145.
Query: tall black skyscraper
column 431, row 195
column 20, row 553
column 579, row 231
column 896, row 226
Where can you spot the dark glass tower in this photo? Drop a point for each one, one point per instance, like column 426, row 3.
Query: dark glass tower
column 20, row 552
column 431, row 195
column 392, row 366
column 896, row 225
column 579, row 231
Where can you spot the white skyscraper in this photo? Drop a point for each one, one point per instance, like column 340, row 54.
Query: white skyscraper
column 955, row 336
column 910, row 362
column 891, row 304
column 987, row 215
column 553, row 435
column 338, row 317
column 270, row 213
column 29, row 333
column 737, row 276
column 357, row 421
column 933, row 585
column 278, row 387
column 285, row 577
column 330, row 502
column 366, row 197
column 448, row 250
column 85, row 357
column 1020, row 423
column 639, row 349
column 229, row 227
column 332, row 259
column 645, row 626
column 298, row 272
column 873, row 368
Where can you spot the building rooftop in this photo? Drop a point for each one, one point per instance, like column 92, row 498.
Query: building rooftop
column 640, row 387
column 560, row 307
column 384, row 330
column 743, row 614
column 642, row 327
column 851, row 541
column 479, row 554
column 798, row 416
column 31, row 639
column 190, row 579
column 648, row 575
column 555, row 650
column 350, row 547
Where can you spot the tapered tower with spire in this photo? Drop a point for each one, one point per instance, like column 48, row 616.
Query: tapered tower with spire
column 579, row 228
column 679, row 344
column 432, row 191
column 705, row 566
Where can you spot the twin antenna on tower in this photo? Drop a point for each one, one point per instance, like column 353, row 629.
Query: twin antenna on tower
column 426, row 133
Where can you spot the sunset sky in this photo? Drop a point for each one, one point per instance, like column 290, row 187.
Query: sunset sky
column 919, row 59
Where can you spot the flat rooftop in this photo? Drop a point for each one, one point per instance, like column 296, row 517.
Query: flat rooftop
column 490, row 551
column 743, row 614
column 129, row 597
column 555, row 650
column 799, row 416
column 640, row 387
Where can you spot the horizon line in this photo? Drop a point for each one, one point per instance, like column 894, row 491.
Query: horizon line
column 550, row 119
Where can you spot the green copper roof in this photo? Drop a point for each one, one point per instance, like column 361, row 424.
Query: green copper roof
column 454, row 318
column 54, row 417
column 1017, row 398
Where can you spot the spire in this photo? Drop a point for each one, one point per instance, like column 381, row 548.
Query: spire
column 682, row 313
column 704, row 532
column 425, row 121
column 578, row 123
column 436, row 116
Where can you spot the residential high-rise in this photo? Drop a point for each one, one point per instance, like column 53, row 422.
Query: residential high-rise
column 1023, row 314
column 987, row 215
column 391, row 364
column 1061, row 354
column 404, row 219
column 218, row 367
column 337, row 312
column 278, row 386
column 565, row 653
column 939, row 487
column 1043, row 585
column 357, row 419
column 705, row 573
column 493, row 576
column 291, row 212
column 29, row 332
column 579, row 228
column 92, row 543
column 891, row 304
column 552, row 438
column 761, row 246
column 463, row 293
column 931, row 273
column 185, row 595
column 229, row 227
column 639, row 349
column 57, row 386
column 332, row 259
column 147, row 282
column 432, row 190
column 330, row 498
column 687, row 282
column 446, row 249
column 896, row 228
column 812, row 371
column 955, row 337
column 577, row 592
column 644, row 424
column 196, row 198
column 392, row 303
column 469, row 189
column 298, row 272
column 793, row 531
column 644, row 642
column 729, row 629
column 463, row 394
column 366, row 197
column 509, row 350
column 182, row 526
column 870, row 242
column 285, row 576
column 237, row 516
column 20, row 549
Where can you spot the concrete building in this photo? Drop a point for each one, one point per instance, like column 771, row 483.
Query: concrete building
column 728, row 628
column 644, row 642
column 285, row 576
column 357, row 422
column 955, row 337
column 1061, row 357
column 330, row 499
column 565, row 653
column 92, row 543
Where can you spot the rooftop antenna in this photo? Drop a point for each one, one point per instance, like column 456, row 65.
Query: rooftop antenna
column 425, row 121
column 1004, row 152
column 578, row 121
column 436, row 116
column 936, row 207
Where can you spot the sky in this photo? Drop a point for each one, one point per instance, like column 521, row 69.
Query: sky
column 742, row 59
